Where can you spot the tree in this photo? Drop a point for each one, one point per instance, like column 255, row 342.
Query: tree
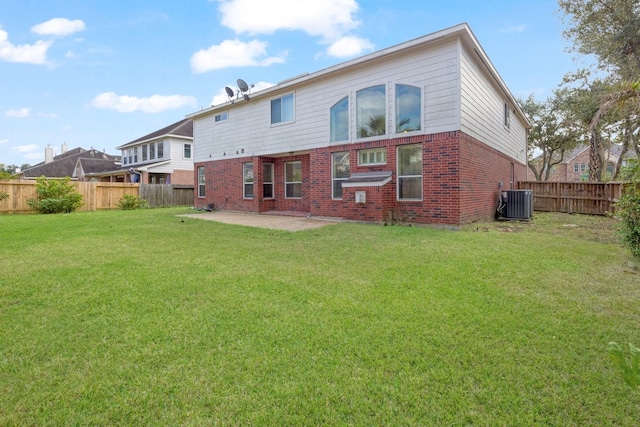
column 607, row 29
column 551, row 134
column 610, row 31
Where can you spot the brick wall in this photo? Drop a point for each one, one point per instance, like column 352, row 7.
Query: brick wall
column 181, row 176
column 460, row 182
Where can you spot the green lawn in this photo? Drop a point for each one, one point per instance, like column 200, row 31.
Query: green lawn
column 145, row 318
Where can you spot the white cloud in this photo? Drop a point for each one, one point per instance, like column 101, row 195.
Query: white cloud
column 513, row 29
column 328, row 19
column 152, row 104
column 59, row 27
column 26, row 53
column 221, row 96
column 25, row 149
column 18, row 113
column 349, row 46
column 4, row 141
column 233, row 53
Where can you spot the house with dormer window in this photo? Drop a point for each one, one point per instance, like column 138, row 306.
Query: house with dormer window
column 423, row 132
column 161, row 157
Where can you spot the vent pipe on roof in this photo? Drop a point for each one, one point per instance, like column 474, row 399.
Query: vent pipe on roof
column 48, row 154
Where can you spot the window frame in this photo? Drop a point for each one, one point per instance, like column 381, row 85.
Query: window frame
column 248, row 180
column 335, row 113
column 402, row 176
column 285, row 120
column 380, row 110
column 160, row 149
column 144, row 152
column 221, row 117
column 382, row 150
column 152, row 151
column 268, row 180
column 201, row 182
column 338, row 179
column 184, row 151
column 507, row 115
column 398, row 111
column 288, row 182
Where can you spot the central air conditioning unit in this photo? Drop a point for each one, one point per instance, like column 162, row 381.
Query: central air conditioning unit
column 519, row 204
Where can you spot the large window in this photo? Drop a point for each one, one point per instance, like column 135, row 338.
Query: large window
column 408, row 107
column 282, row 109
column 267, row 180
column 201, row 182
column 135, row 154
column 160, row 149
column 370, row 111
column 339, row 172
column 293, row 180
column 187, row 151
column 410, row 172
column 144, row 153
column 339, row 114
column 247, row 174
column 372, row 156
column 152, row 151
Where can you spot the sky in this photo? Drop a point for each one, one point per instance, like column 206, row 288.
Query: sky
column 101, row 73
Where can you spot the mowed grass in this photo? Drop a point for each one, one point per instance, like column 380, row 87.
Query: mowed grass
column 146, row 318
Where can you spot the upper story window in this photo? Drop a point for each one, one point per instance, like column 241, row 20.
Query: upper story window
column 130, row 151
column 282, row 109
column 187, row 151
column 135, row 154
column 371, row 119
column 408, row 108
column 507, row 116
column 152, row 151
column 144, row 153
column 339, row 119
column 373, row 156
column 222, row 117
column 160, row 149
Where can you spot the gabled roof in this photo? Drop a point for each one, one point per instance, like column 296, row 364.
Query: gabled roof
column 461, row 31
column 64, row 164
column 181, row 129
column 98, row 165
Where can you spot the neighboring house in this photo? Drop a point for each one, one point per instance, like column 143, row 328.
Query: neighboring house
column 424, row 132
column 162, row 157
column 575, row 166
column 99, row 170
column 64, row 164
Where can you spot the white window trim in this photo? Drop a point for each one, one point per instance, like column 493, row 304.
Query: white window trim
column 407, row 176
column 244, row 183
column 204, row 186
column 271, row 182
column 291, row 182
column 381, row 149
column 226, row 119
column 190, row 151
column 293, row 113
column 395, row 108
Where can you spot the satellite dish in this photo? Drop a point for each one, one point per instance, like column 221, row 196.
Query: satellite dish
column 243, row 85
column 229, row 91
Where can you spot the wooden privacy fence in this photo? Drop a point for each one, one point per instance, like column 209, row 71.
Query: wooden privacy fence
column 159, row 195
column 95, row 195
column 99, row 195
column 594, row 198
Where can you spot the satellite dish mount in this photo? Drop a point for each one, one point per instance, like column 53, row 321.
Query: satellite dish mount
column 244, row 88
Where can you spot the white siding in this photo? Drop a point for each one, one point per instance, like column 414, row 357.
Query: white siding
column 248, row 130
column 482, row 110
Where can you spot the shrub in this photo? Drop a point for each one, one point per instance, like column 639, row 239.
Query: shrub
column 55, row 196
column 130, row 202
column 629, row 365
column 628, row 208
